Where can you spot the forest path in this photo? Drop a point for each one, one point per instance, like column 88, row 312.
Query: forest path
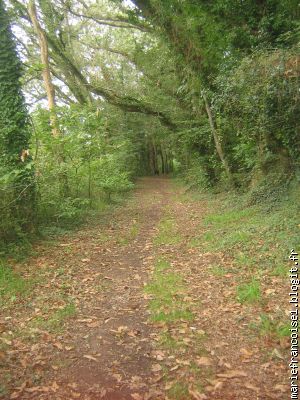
column 127, row 309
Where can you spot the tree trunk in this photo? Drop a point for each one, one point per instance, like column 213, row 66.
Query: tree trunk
column 46, row 74
column 50, row 91
column 156, row 169
column 167, row 168
column 90, row 181
column 216, row 138
column 163, row 164
column 151, row 158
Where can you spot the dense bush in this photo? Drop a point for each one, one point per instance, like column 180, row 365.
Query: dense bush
column 87, row 169
column 74, row 173
column 258, row 103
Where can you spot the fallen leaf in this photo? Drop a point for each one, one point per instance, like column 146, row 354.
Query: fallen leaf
column 58, row 345
column 156, row 368
column 73, row 385
column 44, row 389
column 246, row 352
column 270, row 291
column 118, row 377
column 251, row 387
column 136, row 396
column 15, row 395
column 218, row 385
column 232, row 374
column 281, row 388
column 90, row 358
column 54, row 386
column 275, row 353
column 168, row 385
column 196, row 395
column 204, row 361
column 22, row 387
column 94, row 324
column 6, row 341
column 87, row 279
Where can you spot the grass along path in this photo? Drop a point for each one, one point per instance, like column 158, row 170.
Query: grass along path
column 164, row 301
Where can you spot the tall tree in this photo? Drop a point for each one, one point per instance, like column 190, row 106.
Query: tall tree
column 14, row 127
column 43, row 43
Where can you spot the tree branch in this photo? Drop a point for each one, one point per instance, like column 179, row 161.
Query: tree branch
column 114, row 22
column 126, row 103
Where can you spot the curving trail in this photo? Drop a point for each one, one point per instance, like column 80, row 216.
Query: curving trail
column 86, row 332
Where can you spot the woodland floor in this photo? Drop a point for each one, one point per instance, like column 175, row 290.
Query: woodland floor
column 127, row 309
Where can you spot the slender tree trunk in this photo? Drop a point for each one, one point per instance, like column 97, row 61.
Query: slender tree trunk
column 163, row 164
column 171, row 165
column 216, row 138
column 167, row 168
column 46, row 74
column 90, row 182
column 151, row 158
column 156, row 170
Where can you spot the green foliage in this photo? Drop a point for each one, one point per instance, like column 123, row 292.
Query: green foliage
column 13, row 117
column 269, row 326
column 258, row 102
column 195, row 176
column 17, row 193
column 12, row 285
column 249, row 292
column 229, row 217
column 255, row 235
column 244, row 57
column 111, row 179
column 94, row 165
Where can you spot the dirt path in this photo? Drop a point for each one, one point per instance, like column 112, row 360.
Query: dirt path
column 127, row 310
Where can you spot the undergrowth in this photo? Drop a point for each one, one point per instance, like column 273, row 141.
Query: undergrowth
column 12, row 285
column 257, row 237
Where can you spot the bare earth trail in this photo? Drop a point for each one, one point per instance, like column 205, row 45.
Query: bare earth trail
column 108, row 348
